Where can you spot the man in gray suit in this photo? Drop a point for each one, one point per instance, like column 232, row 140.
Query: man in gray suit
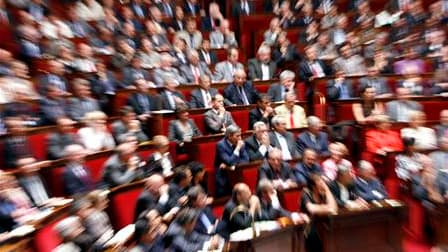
column 277, row 91
column 374, row 80
column 201, row 97
column 440, row 156
column 83, row 102
column 262, row 67
column 224, row 70
column 166, row 71
column 400, row 109
column 61, row 138
column 192, row 36
column 282, row 139
column 195, row 68
column 218, row 119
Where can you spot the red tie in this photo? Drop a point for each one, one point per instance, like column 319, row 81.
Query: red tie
column 196, row 74
column 291, row 120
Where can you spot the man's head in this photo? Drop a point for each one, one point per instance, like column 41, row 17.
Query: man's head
column 154, row 183
column 65, row 124
column 241, row 194
column 264, row 54
column 81, row 88
column 263, row 101
column 260, row 130
column 233, row 134
column 233, row 55
column 290, row 100
column 204, row 81
column 366, row 170
column 217, row 101
column 239, row 77
column 75, row 153
column 287, row 78
column 309, row 157
column 191, row 25
column 444, row 117
column 187, row 218
column 311, row 53
column 193, row 57
column 344, row 175
column 265, row 189
column 161, row 143
column 275, row 159
column 197, row 197
column 182, row 176
column 279, row 124
column 314, row 124
column 345, row 50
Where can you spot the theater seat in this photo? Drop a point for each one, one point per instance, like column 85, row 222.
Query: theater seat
column 46, row 239
column 241, row 118
column 199, row 120
column 53, row 179
column 95, row 167
column 122, row 204
column 290, row 199
column 205, row 153
column 38, row 144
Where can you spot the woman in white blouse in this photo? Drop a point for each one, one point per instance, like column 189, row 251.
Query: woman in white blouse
column 425, row 138
column 94, row 136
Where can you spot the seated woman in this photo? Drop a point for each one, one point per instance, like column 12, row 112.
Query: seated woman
column 410, row 161
column 382, row 139
column 317, row 199
column 183, row 129
column 330, row 165
column 94, row 136
column 366, row 111
column 425, row 138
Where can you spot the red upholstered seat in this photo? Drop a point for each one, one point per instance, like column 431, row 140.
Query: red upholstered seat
column 122, row 206
column 218, row 210
column 241, row 118
column 39, row 145
column 290, row 199
column 249, row 176
column 433, row 108
column 199, row 120
column 46, row 239
column 53, row 179
column 95, row 167
column 205, row 154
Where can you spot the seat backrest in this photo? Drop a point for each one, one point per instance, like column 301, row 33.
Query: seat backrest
column 199, row 120
column 241, row 118
column 122, row 206
column 38, row 144
column 95, row 167
column 290, row 199
column 46, row 239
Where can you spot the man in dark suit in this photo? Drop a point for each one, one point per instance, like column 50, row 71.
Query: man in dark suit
column 263, row 112
column 61, row 138
column 195, row 68
column 206, row 55
column 283, row 139
column 307, row 167
column 269, row 204
column 201, row 97
column 217, row 119
column 277, row 91
column 127, row 125
column 76, row 176
column 374, row 80
column 16, row 144
column 53, row 106
column 134, row 71
column 143, row 103
column 138, row 8
column 230, row 152
column 367, row 185
column 55, row 77
column 340, row 88
column 258, row 145
column 240, row 91
column 103, row 85
column 344, row 191
column 178, row 21
column 82, row 103
column 171, row 97
column 154, row 196
column 166, row 7
column 242, row 8
column 262, row 67
column 313, row 138
column 207, row 222
column 192, row 7
column 277, row 171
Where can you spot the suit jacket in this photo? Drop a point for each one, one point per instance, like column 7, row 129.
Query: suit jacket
column 165, row 101
column 305, row 71
column 197, row 99
column 175, row 133
column 116, row 173
column 78, row 108
column 237, row 10
column 51, row 110
column 136, row 101
column 225, row 155
column 192, row 9
column 441, row 130
column 334, row 93
column 302, row 172
column 159, row 40
column 194, row 41
column 131, row 74
column 277, row 92
column 392, row 109
column 269, row 213
column 75, row 183
column 181, row 241
column 146, row 200
column 380, row 84
column 223, row 71
column 266, row 172
column 212, row 55
column 336, row 191
column 56, row 143
column 304, row 141
column 200, row 226
column 256, row 115
column 290, row 55
column 298, row 116
column 119, row 129
column 252, row 147
column 178, row 25
column 160, row 75
column 206, row 24
column 254, row 69
column 365, row 189
column 218, row 40
column 154, row 165
column 232, row 94
column 15, row 148
column 289, row 140
column 239, row 220
column 188, row 72
column 213, row 122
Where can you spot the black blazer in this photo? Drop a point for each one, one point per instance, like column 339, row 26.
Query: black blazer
column 255, row 115
column 254, row 69
column 232, row 94
column 334, row 188
column 153, row 103
column 196, row 99
column 252, row 146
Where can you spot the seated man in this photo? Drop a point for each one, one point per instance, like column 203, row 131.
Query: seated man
column 160, row 160
column 166, row 71
column 307, row 167
column 123, row 167
column 225, row 70
column 340, row 88
column 171, row 97
column 207, row 222
column 179, row 185
column 294, row 113
column 343, row 190
column 263, row 112
column 258, row 145
column 277, row 91
column 149, row 233
column 240, row 91
column 16, row 144
column 82, row 103
column 241, row 210
column 127, row 124
column 283, row 139
column 440, row 156
column 442, row 128
column 400, row 109
column 61, row 138
column 194, row 69
column 349, row 62
column 313, row 138
column 367, row 185
column 142, row 102
column 262, row 67
column 217, row 119
column 73, row 235
column 76, row 177
column 31, row 181
column 230, row 152
column 201, row 97
column 277, row 171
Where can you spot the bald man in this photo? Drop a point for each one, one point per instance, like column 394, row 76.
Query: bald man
column 240, row 91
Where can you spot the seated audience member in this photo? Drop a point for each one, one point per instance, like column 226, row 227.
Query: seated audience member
column 154, row 197
column 191, row 35
column 210, row 21
column 278, row 91
column 207, row 222
column 262, row 113
column 365, row 111
column 313, row 138
column 61, row 138
column 399, row 110
column 242, row 8
column 179, row 185
column 310, row 34
column 409, row 162
column 22, row 108
column 94, row 136
column 179, row 52
column 440, row 156
column 367, row 185
column 160, row 160
column 53, row 105
column 425, row 138
column 142, row 102
column 262, row 67
column 382, row 139
column 18, row 81
column 128, row 124
column 171, row 97
column 225, row 70
column 201, row 97
column 157, row 36
column 207, row 55
column 374, row 80
column 240, row 91
column 293, row 112
column 348, row 62
column 325, row 47
column 311, row 67
column 285, row 52
column 340, row 88
column 166, row 71
column 122, row 167
column 104, row 85
column 217, row 119
column 31, row 181
column 330, row 166
column 194, row 69
column 149, row 58
column 76, row 176
column 439, row 85
column 277, row 171
column 317, row 200
column 85, row 62
column 198, row 175
column 442, row 128
column 133, row 72
column 182, row 129
column 258, row 145
column 223, row 37
column 270, row 36
column 411, row 60
column 73, row 235
column 429, row 185
column 305, row 169
column 9, row 214
column 16, row 145
column 270, row 205
column 184, row 238
column 242, row 209
column 413, row 81
column 54, row 77
column 123, row 55
column 149, row 234
column 283, row 139
column 82, row 103
column 344, row 191
column 30, row 48
column 230, row 152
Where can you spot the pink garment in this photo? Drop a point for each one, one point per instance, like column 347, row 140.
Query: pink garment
column 330, row 167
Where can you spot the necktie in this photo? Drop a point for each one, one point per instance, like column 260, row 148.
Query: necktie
column 207, row 58
column 314, row 70
column 191, row 40
column 291, row 120
column 196, row 74
column 168, row 11
column 243, row 96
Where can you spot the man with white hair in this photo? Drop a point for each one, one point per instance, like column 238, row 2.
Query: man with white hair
column 240, row 91
column 276, row 170
column 283, row 139
column 258, row 145
column 313, row 138
column 278, row 91
column 195, row 68
column 76, row 176
column 367, row 185
column 295, row 114
column 224, row 70
column 166, row 71
column 262, row 67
